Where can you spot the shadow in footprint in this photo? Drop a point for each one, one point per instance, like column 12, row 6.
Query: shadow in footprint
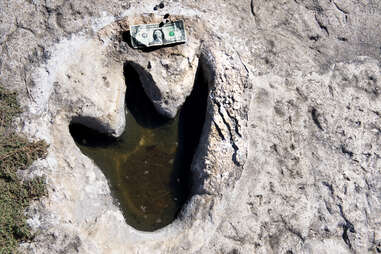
column 138, row 103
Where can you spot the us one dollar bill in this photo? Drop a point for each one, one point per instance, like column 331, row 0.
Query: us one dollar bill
column 149, row 35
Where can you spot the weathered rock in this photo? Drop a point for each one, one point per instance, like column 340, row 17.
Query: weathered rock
column 289, row 158
column 167, row 74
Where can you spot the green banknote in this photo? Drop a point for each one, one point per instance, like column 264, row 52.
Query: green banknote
column 149, row 35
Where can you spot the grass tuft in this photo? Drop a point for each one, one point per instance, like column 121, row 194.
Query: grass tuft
column 16, row 153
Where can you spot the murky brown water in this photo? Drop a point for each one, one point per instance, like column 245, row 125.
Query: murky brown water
column 142, row 170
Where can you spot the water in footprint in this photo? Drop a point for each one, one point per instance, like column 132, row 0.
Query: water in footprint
column 148, row 167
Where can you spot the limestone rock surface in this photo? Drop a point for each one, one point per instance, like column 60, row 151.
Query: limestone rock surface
column 289, row 160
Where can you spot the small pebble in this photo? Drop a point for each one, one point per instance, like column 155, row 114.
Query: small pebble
column 155, row 8
column 161, row 5
column 161, row 24
column 166, row 16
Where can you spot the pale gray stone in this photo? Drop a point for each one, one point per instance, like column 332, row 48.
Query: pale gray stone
column 289, row 160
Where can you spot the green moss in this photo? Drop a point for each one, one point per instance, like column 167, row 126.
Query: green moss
column 9, row 107
column 16, row 153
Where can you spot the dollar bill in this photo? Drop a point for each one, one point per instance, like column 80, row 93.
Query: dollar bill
column 149, row 35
